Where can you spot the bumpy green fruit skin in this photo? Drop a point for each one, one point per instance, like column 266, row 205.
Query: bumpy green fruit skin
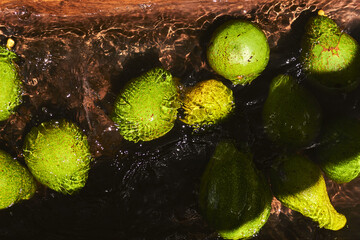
column 234, row 197
column 299, row 184
column 238, row 51
column 58, row 155
column 329, row 56
column 291, row 115
column 10, row 84
column 146, row 109
column 338, row 153
column 16, row 182
column 207, row 103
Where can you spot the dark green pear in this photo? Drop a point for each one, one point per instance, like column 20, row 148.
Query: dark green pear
column 330, row 57
column 291, row 115
column 234, row 197
column 339, row 152
column 299, row 185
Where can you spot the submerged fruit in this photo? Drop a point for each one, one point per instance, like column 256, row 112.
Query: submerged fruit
column 207, row 103
column 299, row 184
column 57, row 154
column 10, row 84
column 234, row 197
column 291, row 115
column 330, row 56
column 147, row 108
column 238, row 51
column 16, row 183
column 338, row 153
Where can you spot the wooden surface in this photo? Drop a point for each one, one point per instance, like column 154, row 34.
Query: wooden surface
column 107, row 7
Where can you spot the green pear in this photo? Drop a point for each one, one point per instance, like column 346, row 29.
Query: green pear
column 16, row 182
column 58, row 155
column 208, row 102
column 238, row 51
column 338, row 153
column 299, row 185
column 10, row 84
column 330, row 57
column 291, row 115
column 146, row 108
column 234, row 197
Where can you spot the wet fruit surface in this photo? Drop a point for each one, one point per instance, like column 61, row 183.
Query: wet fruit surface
column 298, row 183
column 238, row 51
column 16, row 182
column 338, row 153
column 291, row 115
column 234, row 197
column 146, row 108
column 10, row 84
column 207, row 103
column 331, row 57
column 57, row 154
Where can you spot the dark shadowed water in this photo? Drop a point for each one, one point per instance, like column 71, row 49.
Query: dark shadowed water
column 74, row 66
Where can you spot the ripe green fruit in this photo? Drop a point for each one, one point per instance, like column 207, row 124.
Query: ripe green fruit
column 291, row 115
column 234, row 197
column 207, row 103
column 330, row 57
column 10, row 84
column 299, row 185
column 338, row 153
column 238, row 51
column 16, row 183
column 57, row 154
column 146, row 108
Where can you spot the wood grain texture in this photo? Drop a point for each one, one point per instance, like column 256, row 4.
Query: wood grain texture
column 108, row 7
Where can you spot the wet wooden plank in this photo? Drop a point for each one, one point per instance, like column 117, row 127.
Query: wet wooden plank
column 91, row 7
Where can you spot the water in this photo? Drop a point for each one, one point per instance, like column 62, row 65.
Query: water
column 73, row 67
